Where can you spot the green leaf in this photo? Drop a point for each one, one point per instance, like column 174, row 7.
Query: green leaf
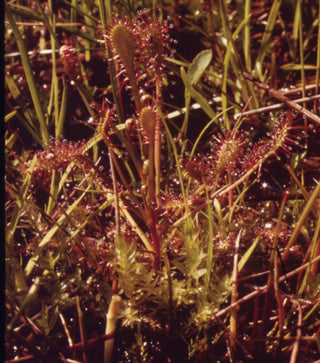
column 190, row 91
column 205, row 106
column 199, row 65
column 9, row 116
column 10, row 141
column 248, row 253
column 186, row 82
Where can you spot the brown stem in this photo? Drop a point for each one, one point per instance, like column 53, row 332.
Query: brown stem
column 234, row 296
column 170, row 301
column 151, row 179
column 263, row 289
column 82, row 330
column 295, row 350
column 152, row 221
column 279, row 96
column 157, row 154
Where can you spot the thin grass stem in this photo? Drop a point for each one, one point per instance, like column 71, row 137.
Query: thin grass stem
column 29, row 77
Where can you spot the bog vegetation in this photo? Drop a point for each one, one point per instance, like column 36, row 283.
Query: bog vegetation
column 162, row 189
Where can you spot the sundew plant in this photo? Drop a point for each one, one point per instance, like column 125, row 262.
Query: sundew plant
column 162, row 181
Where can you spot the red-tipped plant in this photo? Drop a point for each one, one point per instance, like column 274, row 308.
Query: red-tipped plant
column 154, row 45
column 123, row 43
column 71, row 62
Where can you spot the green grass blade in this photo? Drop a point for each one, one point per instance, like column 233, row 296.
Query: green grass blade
column 28, row 120
column 247, row 37
column 302, row 220
column 29, row 77
column 9, row 116
column 213, row 120
column 102, row 12
column 10, row 141
column 54, row 191
column 301, row 49
column 196, row 95
column 227, row 59
column 63, row 110
column 312, row 248
column 318, row 57
column 248, row 253
column 176, row 157
column 55, row 81
column 299, row 67
column 295, row 29
column 265, row 42
column 25, row 12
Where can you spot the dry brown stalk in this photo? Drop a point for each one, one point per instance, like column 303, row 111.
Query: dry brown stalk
column 281, row 97
column 263, row 289
column 295, row 350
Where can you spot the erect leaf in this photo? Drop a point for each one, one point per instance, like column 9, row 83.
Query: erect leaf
column 248, row 253
column 203, row 102
column 265, row 42
column 199, row 64
column 190, row 91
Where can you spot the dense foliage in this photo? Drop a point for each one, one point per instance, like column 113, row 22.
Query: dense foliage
column 162, row 189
